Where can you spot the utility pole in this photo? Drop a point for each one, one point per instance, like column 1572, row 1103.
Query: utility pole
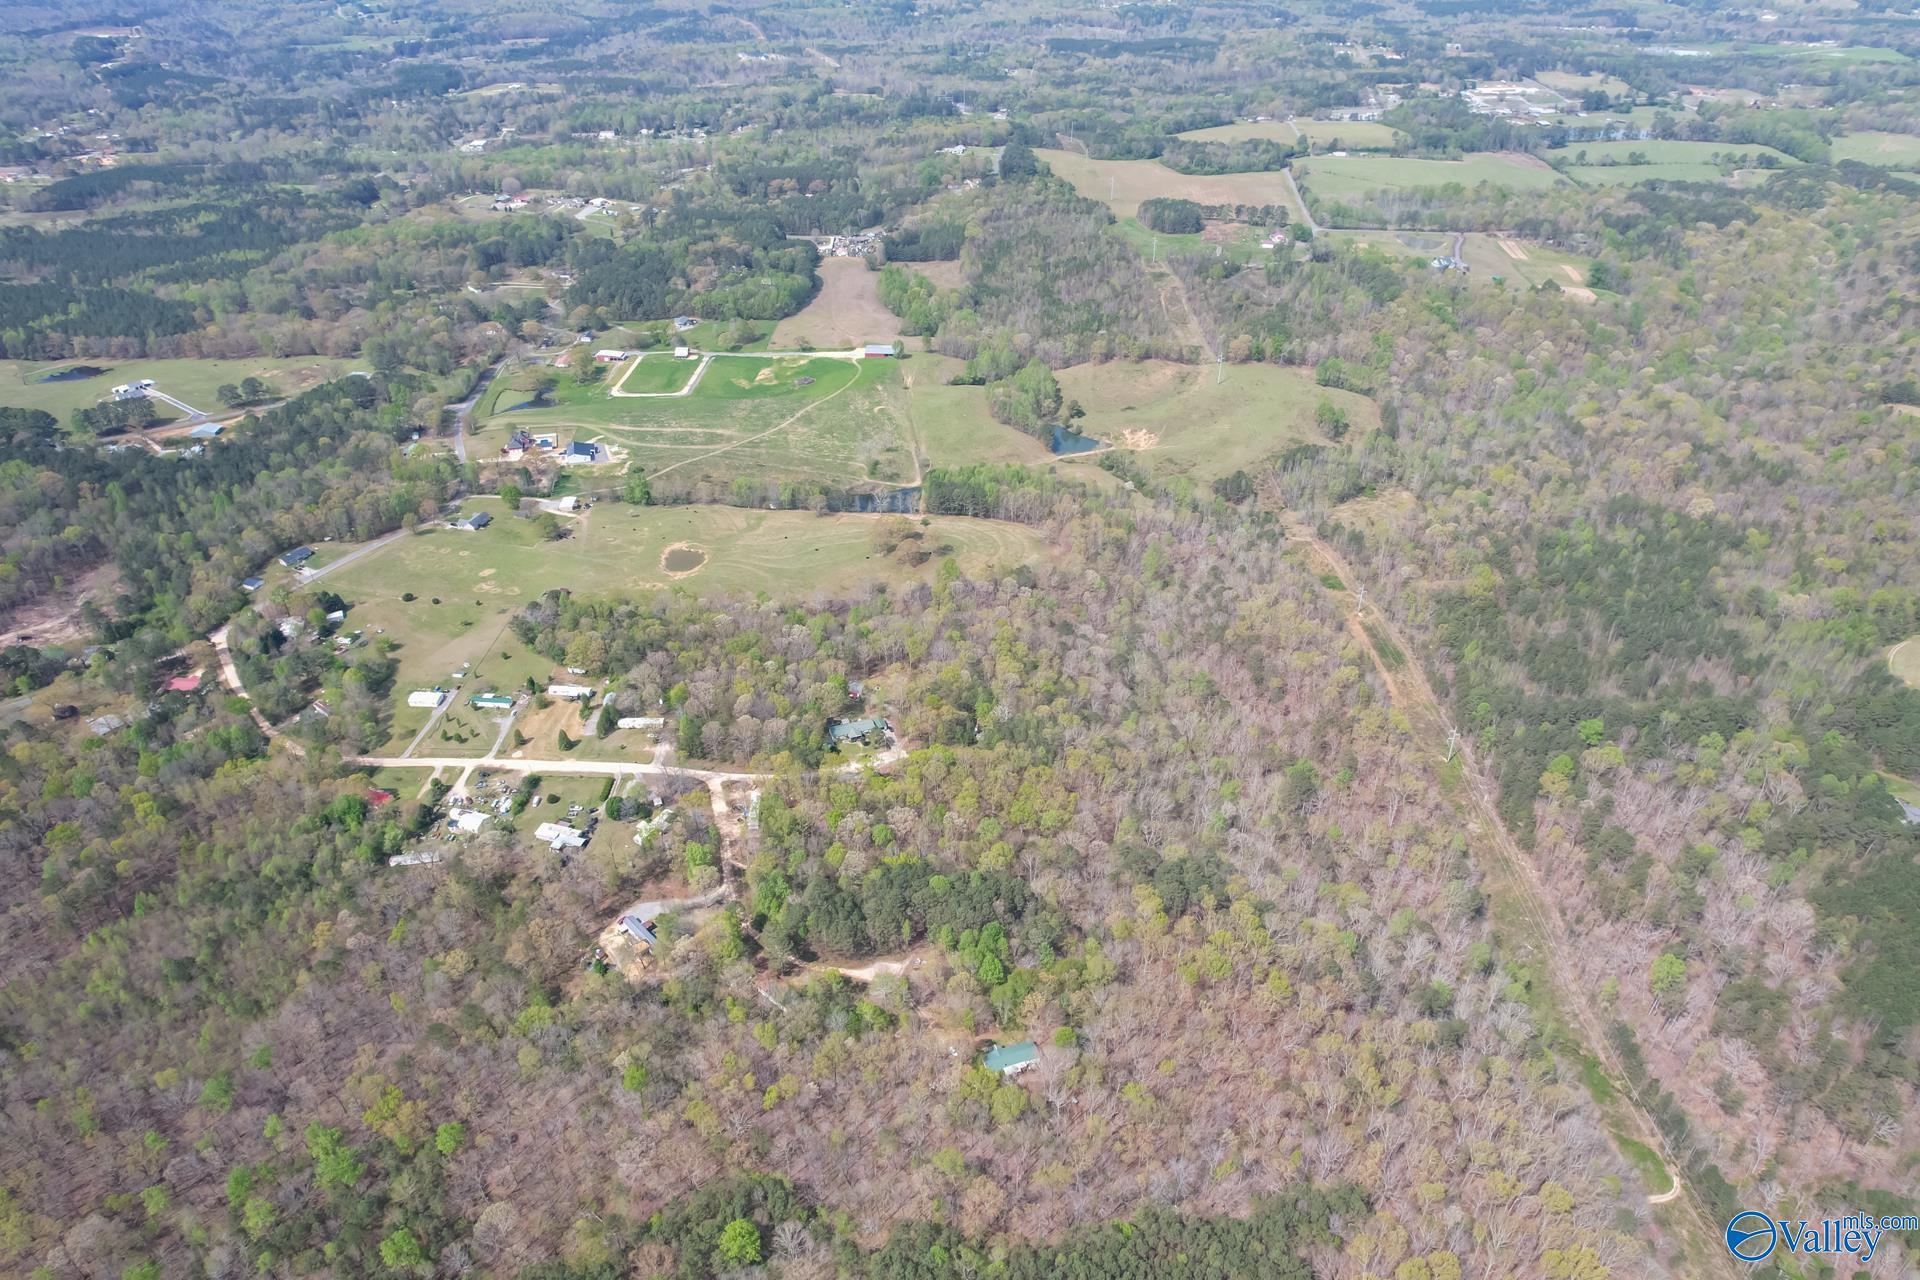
column 1156, row 248
column 1453, row 741
column 1219, row 370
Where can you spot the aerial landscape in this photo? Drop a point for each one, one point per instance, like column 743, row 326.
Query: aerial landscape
column 960, row 640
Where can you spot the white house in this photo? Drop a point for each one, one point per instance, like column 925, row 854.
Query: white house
column 558, row 835
column 466, row 821
column 429, row 698
column 571, row 692
column 640, row 722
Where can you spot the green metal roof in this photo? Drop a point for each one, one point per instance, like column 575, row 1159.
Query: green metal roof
column 854, row 730
column 1012, row 1055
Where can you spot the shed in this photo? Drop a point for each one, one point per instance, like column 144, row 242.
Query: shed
column 681, row 351
column 877, row 350
column 250, row 584
column 1012, row 1059
column 206, row 431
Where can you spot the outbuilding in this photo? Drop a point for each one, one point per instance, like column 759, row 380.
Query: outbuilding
column 493, row 702
column 428, row 698
column 877, row 350
column 570, row 692
column 475, row 522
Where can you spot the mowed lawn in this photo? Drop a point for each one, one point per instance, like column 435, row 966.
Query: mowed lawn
column 1612, row 163
column 1347, row 177
column 845, row 313
column 1122, row 184
column 1178, row 421
column 1895, row 150
column 481, row 579
column 193, row 381
column 658, row 372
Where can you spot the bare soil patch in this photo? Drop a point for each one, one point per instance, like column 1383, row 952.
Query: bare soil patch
column 1136, row 439
column 844, row 313
column 1523, row 159
column 55, row 619
column 1517, row 252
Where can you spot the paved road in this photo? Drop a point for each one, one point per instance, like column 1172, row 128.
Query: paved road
column 351, row 556
column 464, row 410
column 1293, row 190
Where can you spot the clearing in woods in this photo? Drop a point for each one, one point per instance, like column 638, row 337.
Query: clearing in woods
column 1904, row 659
column 1625, row 163
column 194, row 381
column 1122, row 184
column 845, row 313
column 1896, row 150
column 481, row 579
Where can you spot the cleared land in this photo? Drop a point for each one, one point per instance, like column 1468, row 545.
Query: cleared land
column 1613, row 163
column 1122, row 184
column 845, row 313
column 1572, row 84
column 1904, row 658
column 193, row 381
column 1896, row 150
column 480, row 579
column 819, row 418
column 952, row 423
column 1349, row 135
column 1241, row 131
column 1346, row 177
column 654, row 373
column 1178, row 422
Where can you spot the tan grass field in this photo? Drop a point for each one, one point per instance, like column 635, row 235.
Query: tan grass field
column 845, row 313
column 1904, row 658
column 1122, row 184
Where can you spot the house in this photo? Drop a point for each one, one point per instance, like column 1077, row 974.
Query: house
column 1012, row 1059
column 133, row 390
column 465, row 821
column 475, row 522
column 559, row 835
column 429, row 698
column 205, row 431
column 641, row 931
column 570, row 692
column 843, row 731
column 518, row 441
column 684, row 323
column 250, row 584
column 876, row 351
column 580, row 451
column 182, row 684
column 492, row 702
column 610, row 356
column 419, row 858
column 295, row 558
column 377, row 796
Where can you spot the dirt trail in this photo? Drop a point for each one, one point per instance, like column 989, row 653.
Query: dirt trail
column 231, row 674
column 1411, row 694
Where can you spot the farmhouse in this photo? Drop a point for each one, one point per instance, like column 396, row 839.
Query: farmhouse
column 1012, row 1059
column 429, row 698
column 475, row 522
column 684, row 323
column 559, row 835
column 492, row 702
column 570, row 692
column 877, row 350
column 581, row 451
column 298, row 556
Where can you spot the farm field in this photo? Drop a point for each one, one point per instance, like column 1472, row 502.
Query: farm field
column 1533, row 264
column 1243, row 130
column 193, row 381
column 819, row 418
column 655, row 372
column 1901, row 150
column 1349, row 135
column 845, row 313
column 1122, row 184
column 1344, row 177
column 1607, row 163
column 1178, row 422
column 952, row 423
column 481, row 579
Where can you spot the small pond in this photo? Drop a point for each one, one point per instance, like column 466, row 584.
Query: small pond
column 1065, row 441
column 74, row 373
column 682, row 559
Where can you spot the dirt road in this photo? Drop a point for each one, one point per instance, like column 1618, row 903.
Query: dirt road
column 1411, row 694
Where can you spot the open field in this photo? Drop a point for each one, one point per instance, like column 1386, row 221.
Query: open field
column 1895, row 150
column 845, row 313
column 1179, row 422
column 1349, row 135
column 653, row 373
column 1574, row 84
column 1122, row 184
column 1607, row 163
column 1345, row 177
column 952, row 423
column 949, row 273
column 193, row 381
column 480, row 579
column 1242, row 131
column 819, row 418
column 1525, row 261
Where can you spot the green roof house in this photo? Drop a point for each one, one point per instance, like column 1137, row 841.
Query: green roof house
column 839, row 731
column 493, row 702
column 1012, row 1059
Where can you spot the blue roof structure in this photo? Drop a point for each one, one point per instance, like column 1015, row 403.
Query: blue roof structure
column 1011, row 1057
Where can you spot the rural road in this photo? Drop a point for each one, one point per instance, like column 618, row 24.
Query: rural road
column 1411, row 694
column 231, row 674
column 1294, row 190
column 464, row 410
column 351, row 556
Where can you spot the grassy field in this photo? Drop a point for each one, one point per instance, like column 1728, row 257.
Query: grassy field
column 1122, row 184
column 656, row 371
column 1178, row 422
column 1606, row 163
column 1346, row 177
column 467, row 585
column 1573, row 85
column 1242, row 131
column 192, row 381
column 1349, row 135
column 1525, row 262
column 1895, row 150
column 845, row 313
column 952, row 423
column 810, row 418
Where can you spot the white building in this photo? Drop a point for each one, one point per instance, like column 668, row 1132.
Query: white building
column 558, row 835
column 466, row 821
column 428, row 698
column 640, row 722
column 571, row 692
